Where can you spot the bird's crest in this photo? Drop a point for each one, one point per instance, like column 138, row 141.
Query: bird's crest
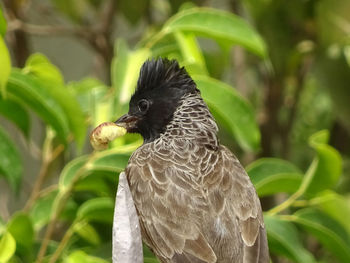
column 163, row 73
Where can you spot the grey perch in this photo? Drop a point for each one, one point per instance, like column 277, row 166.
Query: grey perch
column 127, row 244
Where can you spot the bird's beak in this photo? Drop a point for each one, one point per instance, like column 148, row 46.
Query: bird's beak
column 128, row 122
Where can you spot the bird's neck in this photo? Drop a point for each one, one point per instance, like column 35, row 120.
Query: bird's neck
column 192, row 120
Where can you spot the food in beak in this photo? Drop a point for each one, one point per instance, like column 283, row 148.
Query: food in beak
column 104, row 133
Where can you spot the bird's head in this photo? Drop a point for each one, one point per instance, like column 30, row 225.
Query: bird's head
column 160, row 88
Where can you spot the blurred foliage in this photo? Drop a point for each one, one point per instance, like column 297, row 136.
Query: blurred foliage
column 288, row 115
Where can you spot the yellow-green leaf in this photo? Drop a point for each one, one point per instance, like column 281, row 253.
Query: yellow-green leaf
column 5, row 66
column 217, row 24
column 7, row 247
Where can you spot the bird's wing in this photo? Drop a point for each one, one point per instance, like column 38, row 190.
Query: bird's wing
column 232, row 193
column 169, row 205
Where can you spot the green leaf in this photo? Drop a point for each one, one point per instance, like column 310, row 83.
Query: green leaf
column 165, row 47
column 43, row 207
column 272, row 175
column 284, row 240
column 234, row 111
column 125, row 72
column 88, row 92
column 148, row 256
column 5, row 66
column 70, row 172
column 94, row 184
column 38, row 65
column 14, row 112
column 7, row 247
column 53, row 83
column 79, row 256
column 10, row 162
column 220, row 25
column 97, row 210
column 21, row 229
column 31, row 91
column 328, row 164
column 110, row 161
column 327, row 230
column 331, row 203
column 150, row 260
column 3, row 24
column 193, row 58
column 87, row 232
column 41, row 210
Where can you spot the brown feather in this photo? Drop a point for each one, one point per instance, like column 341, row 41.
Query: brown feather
column 194, row 199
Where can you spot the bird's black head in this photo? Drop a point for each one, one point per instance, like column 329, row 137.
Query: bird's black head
column 160, row 87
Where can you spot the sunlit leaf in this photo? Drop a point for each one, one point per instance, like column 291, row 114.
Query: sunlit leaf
column 328, row 231
column 5, row 66
column 80, row 256
column 87, row 232
column 10, row 162
column 30, row 91
column 217, row 24
column 97, row 210
column 232, row 109
column 272, row 175
column 53, row 83
column 21, row 229
column 328, row 164
column 14, row 112
column 192, row 57
column 125, row 72
column 284, row 240
column 7, row 247
column 40, row 66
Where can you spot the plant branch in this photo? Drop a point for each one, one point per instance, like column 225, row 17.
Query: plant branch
column 69, row 233
column 58, row 207
column 48, row 156
column 17, row 24
column 17, row 39
column 303, row 187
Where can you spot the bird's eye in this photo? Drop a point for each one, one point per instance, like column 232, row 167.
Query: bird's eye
column 143, row 105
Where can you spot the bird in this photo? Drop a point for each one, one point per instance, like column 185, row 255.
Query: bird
column 195, row 202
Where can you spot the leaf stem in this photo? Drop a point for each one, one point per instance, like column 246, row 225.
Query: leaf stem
column 303, row 187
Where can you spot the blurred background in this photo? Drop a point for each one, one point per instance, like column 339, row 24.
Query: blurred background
column 274, row 73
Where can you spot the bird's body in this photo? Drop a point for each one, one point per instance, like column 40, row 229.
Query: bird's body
column 194, row 200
